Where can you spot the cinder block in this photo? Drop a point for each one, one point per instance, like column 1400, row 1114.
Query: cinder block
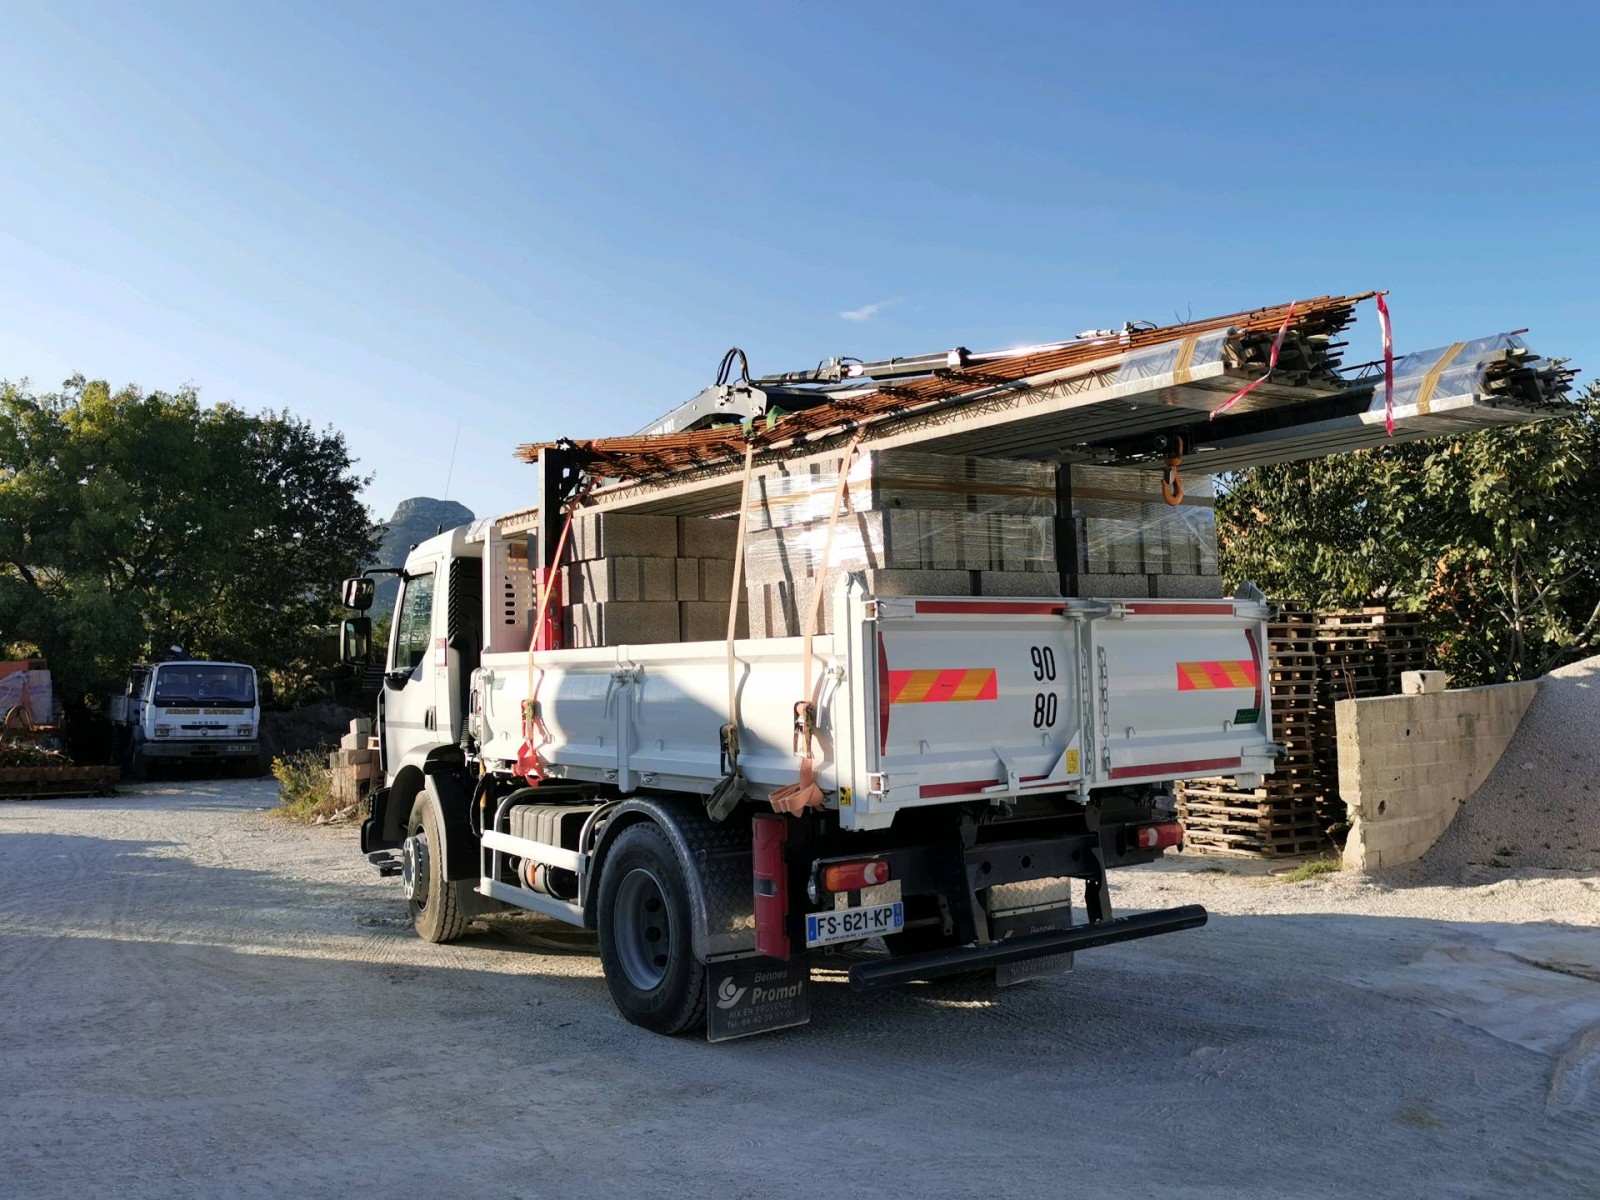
column 620, row 623
column 701, row 621
column 1188, row 587
column 1018, row 583
column 602, row 582
column 689, row 578
column 716, row 579
column 708, row 537
column 1114, row 587
column 1422, row 683
column 658, row 579
column 615, row 535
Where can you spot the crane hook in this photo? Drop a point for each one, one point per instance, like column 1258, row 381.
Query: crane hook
column 1171, row 480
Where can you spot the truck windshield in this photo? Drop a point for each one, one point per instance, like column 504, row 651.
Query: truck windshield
column 205, row 683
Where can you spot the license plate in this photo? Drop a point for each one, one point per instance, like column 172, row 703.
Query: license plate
column 849, row 924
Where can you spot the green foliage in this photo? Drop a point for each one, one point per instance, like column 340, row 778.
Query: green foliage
column 1493, row 537
column 305, row 786
column 130, row 521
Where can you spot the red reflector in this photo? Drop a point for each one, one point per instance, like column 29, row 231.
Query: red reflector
column 853, row 876
column 1158, row 837
column 771, row 885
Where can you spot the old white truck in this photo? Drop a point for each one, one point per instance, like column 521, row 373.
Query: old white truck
column 191, row 711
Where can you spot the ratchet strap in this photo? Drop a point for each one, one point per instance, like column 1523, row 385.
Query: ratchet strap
column 730, row 788
column 797, row 797
column 528, row 763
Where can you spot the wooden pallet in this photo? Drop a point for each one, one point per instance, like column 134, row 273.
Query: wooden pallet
column 1202, row 842
column 38, row 783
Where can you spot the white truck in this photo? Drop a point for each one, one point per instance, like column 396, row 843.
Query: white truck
column 957, row 811
column 977, row 759
column 191, row 711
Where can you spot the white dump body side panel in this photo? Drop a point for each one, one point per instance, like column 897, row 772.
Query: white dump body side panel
column 1185, row 690
column 650, row 716
column 919, row 701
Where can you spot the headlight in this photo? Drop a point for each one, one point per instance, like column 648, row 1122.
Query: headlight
column 246, row 730
column 163, row 730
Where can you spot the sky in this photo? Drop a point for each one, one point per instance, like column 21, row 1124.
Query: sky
column 448, row 229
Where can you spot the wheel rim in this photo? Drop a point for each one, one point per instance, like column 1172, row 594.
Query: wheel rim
column 414, row 869
column 643, row 929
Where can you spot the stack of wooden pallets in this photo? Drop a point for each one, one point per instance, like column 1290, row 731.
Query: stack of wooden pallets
column 1279, row 818
column 1315, row 659
column 1360, row 653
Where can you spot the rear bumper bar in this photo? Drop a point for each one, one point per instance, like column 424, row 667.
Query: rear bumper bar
column 888, row 972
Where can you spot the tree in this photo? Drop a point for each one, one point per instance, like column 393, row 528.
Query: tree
column 1493, row 537
column 130, row 521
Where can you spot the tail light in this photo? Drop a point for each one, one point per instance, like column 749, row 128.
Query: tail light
column 853, row 876
column 1158, row 837
column 771, row 885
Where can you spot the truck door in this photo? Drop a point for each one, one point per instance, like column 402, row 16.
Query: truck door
column 411, row 700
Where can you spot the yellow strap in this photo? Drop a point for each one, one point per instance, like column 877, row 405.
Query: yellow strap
column 1430, row 381
column 1180, row 372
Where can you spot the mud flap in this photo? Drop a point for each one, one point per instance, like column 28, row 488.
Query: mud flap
column 1004, row 925
column 755, row 995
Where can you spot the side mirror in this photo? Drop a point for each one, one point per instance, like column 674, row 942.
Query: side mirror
column 358, row 592
column 355, row 639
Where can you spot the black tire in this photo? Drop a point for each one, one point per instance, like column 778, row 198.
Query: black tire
column 646, row 934
column 436, row 908
column 138, row 767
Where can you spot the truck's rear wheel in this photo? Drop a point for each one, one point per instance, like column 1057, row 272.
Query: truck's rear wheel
column 434, row 900
column 646, row 945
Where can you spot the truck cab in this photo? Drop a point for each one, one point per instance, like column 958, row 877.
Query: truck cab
column 188, row 710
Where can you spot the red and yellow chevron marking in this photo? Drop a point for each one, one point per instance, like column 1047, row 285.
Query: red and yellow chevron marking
column 1202, row 676
column 941, row 687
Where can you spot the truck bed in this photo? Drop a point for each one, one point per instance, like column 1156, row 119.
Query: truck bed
column 919, row 701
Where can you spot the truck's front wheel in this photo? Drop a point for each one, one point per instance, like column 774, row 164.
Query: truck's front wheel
column 645, row 942
column 435, row 905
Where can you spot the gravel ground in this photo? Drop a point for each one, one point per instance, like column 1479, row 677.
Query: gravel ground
column 198, row 1000
column 1540, row 806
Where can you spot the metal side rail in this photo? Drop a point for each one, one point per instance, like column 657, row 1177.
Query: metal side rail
column 937, row 963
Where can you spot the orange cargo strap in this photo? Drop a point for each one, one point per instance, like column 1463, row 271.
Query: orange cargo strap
column 797, row 797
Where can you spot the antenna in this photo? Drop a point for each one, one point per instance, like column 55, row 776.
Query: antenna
column 451, row 473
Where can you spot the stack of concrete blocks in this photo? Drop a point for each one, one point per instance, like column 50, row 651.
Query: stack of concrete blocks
column 355, row 764
column 1131, row 543
column 911, row 523
column 636, row 579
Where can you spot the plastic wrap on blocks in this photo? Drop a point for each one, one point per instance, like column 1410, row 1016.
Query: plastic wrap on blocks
column 904, row 480
column 904, row 541
column 1125, row 527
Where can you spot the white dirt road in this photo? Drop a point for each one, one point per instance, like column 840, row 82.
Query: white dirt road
column 198, row 1000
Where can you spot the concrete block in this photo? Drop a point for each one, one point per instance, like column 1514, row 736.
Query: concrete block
column 1018, row 583
column 1188, row 587
column 614, row 535
column 1422, row 683
column 1114, row 587
column 602, row 582
column 622, row 623
column 715, row 579
column 658, row 579
column 689, row 578
column 708, row 537
column 702, row 621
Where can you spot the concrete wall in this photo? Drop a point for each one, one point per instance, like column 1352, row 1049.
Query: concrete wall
column 1407, row 763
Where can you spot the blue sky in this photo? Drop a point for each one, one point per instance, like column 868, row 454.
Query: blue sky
column 540, row 219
